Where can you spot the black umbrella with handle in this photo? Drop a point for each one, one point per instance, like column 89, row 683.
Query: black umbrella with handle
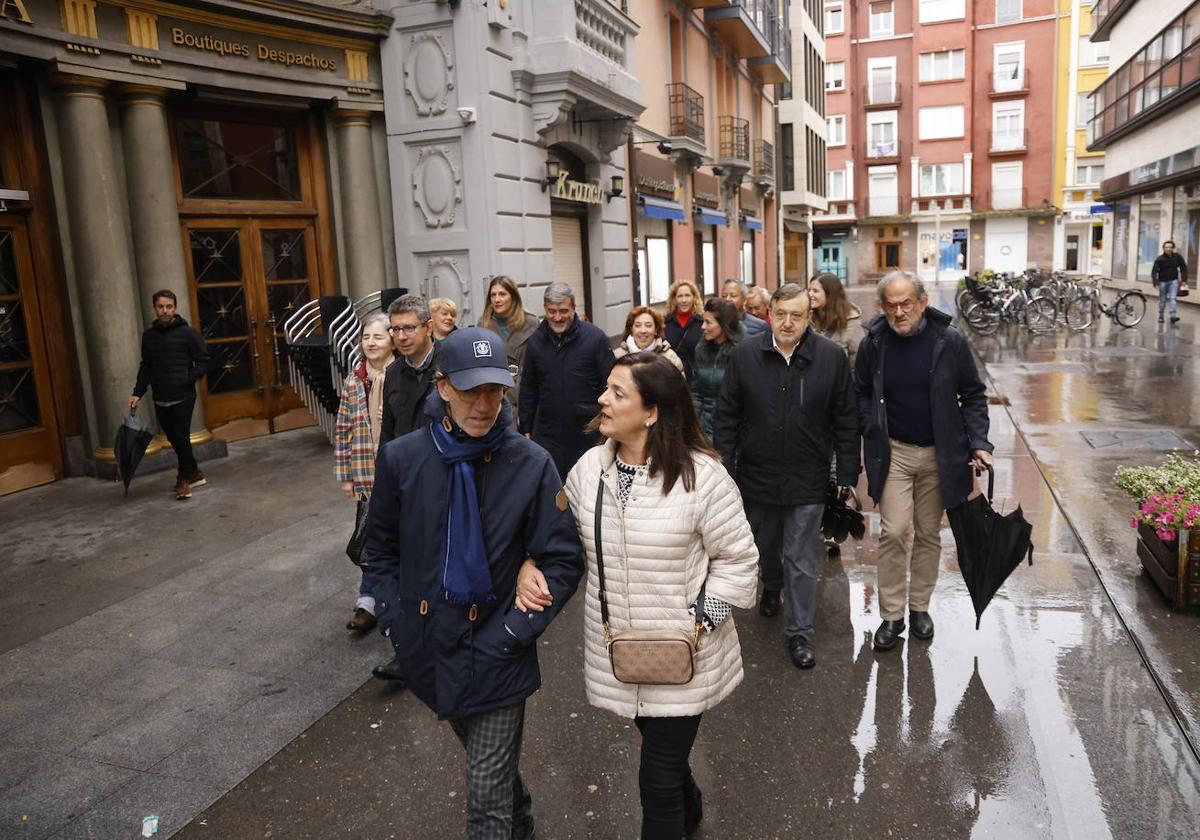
column 132, row 439
column 990, row 546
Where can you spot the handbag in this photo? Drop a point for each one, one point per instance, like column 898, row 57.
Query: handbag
column 1183, row 289
column 354, row 547
column 646, row 657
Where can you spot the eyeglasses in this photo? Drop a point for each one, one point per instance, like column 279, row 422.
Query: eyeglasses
column 902, row 306
column 405, row 330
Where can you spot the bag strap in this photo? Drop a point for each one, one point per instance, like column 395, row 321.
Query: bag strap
column 599, row 537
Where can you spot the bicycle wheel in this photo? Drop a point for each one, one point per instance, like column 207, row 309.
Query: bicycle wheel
column 1041, row 314
column 1130, row 309
column 1080, row 312
column 982, row 317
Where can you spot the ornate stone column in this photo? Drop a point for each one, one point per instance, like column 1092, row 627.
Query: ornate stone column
column 362, row 229
column 100, row 253
column 150, row 178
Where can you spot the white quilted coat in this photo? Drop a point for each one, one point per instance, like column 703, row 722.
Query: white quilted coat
column 657, row 553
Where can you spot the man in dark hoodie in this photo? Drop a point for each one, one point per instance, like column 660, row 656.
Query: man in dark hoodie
column 173, row 358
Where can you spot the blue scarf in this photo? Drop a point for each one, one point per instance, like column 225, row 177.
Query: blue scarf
column 466, row 578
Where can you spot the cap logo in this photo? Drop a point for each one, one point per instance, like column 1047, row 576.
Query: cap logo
column 483, row 350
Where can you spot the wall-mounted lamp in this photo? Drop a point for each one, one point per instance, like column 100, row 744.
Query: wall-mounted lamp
column 617, row 187
column 553, row 168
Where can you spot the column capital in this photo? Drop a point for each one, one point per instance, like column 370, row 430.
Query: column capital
column 351, row 116
column 143, row 95
column 69, row 84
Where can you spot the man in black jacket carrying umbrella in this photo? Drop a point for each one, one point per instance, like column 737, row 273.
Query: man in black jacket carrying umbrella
column 173, row 358
column 923, row 414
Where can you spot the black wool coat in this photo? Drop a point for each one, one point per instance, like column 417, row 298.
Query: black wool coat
column 174, row 356
column 683, row 340
column 405, row 390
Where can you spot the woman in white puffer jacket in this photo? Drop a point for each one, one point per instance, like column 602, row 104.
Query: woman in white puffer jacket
column 672, row 520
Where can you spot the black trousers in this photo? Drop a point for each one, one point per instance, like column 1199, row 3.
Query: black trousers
column 176, row 422
column 669, row 793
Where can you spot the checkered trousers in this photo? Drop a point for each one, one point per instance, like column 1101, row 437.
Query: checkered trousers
column 498, row 803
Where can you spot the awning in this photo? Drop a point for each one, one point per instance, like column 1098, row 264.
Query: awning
column 795, row 226
column 660, row 208
column 751, row 223
column 712, row 217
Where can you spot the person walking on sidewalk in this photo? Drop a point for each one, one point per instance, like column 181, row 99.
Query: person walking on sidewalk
column 644, row 332
column 793, row 387
column 566, row 363
column 735, row 292
column 505, row 314
column 1168, row 271
column 922, row 410
column 676, row 549
column 684, row 324
column 758, row 304
column 174, row 358
column 712, row 357
column 443, row 315
column 356, row 436
column 455, row 511
column 832, row 313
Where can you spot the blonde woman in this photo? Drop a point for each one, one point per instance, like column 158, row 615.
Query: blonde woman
column 684, row 323
column 443, row 314
column 644, row 332
column 356, row 440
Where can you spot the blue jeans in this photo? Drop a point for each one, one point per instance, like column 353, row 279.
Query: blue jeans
column 1167, row 289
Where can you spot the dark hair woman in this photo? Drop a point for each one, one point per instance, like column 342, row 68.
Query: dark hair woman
column 505, row 314
column 721, row 325
column 684, row 325
column 672, row 525
column 644, row 332
column 832, row 312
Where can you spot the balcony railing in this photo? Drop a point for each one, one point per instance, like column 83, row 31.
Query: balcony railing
column 734, row 139
column 597, row 27
column 1009, row 82
column 1105, row 14
column 743, row 25
column 764, row 160
column 1008, row 198
column 883, row 150
column 775, row 68
column 1008, row 141
column 1162, row 73
column 881, row 93
column 687, row 112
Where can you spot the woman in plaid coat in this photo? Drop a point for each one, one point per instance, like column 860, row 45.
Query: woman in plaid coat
column 356, row 439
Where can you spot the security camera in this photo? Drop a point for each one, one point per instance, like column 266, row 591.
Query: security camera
column 664, row 147
column 467, row 115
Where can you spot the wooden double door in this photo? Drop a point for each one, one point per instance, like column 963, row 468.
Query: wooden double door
column 246, row 277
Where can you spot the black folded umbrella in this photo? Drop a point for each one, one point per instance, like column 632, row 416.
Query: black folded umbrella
column 839, row 519
column 990, row 546
column 132, row 439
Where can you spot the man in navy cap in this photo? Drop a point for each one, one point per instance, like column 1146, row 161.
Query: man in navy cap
column 456, row 509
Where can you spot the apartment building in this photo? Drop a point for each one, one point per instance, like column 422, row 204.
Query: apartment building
column 1081, row 68
column 802, row 181
column 940, row 146
column 701, row 157
column 1144, row 122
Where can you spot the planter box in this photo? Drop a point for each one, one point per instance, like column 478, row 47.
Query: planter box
column 1174, row 566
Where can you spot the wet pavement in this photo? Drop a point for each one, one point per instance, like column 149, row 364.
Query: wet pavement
column 1065, row 715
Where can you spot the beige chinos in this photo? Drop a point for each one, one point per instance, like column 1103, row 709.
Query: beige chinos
column 911, row 500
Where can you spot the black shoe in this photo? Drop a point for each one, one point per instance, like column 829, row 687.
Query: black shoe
column 1174, row 319
column 390, row 672
column 801, row 652
column 922, row 625
column 693, row 806
column 769, row 604
column 888, row 634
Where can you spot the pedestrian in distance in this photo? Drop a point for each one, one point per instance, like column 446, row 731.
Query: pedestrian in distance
column 1167, row 273
column 675, row 540
column 684, row 324
column 923, row 414
column 356, row 436
column 833, row 315
column 734, row 292
column 505, row 314
column 793, row 387
column 644, row 333
column 566, row 364
column 457, row 508
column 443, row 314
column 174, row 358
column 758, row 304
column 712, row 357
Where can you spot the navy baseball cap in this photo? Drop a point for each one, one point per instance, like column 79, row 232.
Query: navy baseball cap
column 473, row 356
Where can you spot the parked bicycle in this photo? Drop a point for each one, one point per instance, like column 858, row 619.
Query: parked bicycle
column 1127, row 309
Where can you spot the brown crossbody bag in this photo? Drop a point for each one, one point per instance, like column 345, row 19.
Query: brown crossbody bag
column 646, row 657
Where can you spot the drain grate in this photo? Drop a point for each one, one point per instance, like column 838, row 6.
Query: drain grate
column 1056, row 367
column 1157, row 439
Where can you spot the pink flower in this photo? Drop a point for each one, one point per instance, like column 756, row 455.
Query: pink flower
column 1133, row 523
column 1165, row 535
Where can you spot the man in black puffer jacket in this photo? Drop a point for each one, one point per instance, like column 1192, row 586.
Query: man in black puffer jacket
column 173, row 358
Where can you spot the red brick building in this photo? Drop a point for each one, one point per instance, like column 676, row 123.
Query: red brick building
column 940, row 137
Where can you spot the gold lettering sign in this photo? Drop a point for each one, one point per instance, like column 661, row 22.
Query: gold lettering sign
column 208, row 43
column 585, row 193
column 221, row 46
column 20, row 13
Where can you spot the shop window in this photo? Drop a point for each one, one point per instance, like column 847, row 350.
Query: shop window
column 748, row 263
column 654, row 265
column 221, row 159
column 1149, row 235
column 1186, row 227
column 1120, row 261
